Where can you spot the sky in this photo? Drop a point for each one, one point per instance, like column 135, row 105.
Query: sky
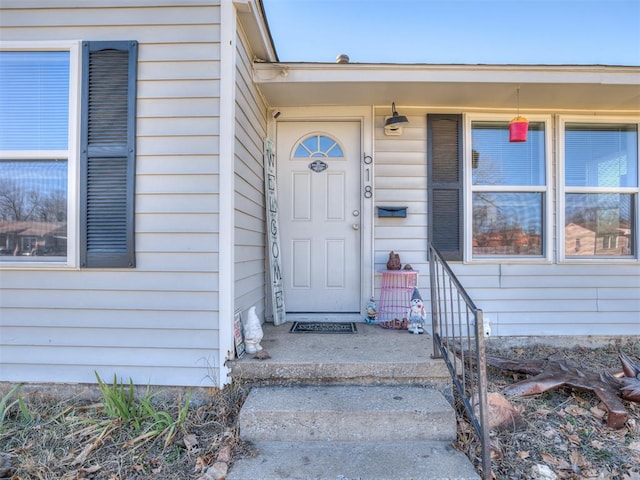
column 550, row 32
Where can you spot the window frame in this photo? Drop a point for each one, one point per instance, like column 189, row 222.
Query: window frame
column 563, row 189
column 546, row 190
column 71, row 154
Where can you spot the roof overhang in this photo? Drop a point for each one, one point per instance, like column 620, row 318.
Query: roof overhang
column 253, row 20
column 463, row 87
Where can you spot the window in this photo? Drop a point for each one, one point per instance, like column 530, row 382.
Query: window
column 600, row 189
column 318, row 146
column 508, row 190
column 40, row 130
column 36, row 162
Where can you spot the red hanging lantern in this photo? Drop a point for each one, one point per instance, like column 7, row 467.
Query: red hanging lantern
column 518, row 128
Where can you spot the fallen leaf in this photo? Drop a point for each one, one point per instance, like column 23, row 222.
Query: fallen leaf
column 141, row 438
column 543, row 412
column 495, row 449
column 522, row 455
column 578, row 460
column 558, row 462
column 575, row 439
column 548, row 458
column 92, row 469
column 82, row 456
column 190, row 441
column 597, row 412
column 635, row 446
column 202, row 463
column 591, row 473
column 597, row 444
column 576, row 411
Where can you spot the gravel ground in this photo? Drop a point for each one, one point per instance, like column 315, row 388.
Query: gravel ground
column 563, row 429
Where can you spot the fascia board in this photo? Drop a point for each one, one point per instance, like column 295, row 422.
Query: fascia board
column 293, row 73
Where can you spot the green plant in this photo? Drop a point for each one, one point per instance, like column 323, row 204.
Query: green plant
column 6, row 403
column 120, row 402
column 24, row 410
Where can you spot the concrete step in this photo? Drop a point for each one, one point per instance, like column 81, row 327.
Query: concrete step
column 354, row 460
column 346, row 413
column 433, row 373
column 372, row 356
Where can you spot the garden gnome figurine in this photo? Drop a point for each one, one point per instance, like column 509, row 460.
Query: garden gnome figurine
column 252, row 332
column 416, row 315
column 372, row 310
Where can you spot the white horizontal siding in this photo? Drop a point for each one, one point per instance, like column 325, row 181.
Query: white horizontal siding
column 121, row 300
column 177, row 242
column 183, row 89
column 96, row 357
column 177, row 203
column 143, row 33
column 201, row 370
column 158, row 323
column 131, row 16
column 48, row 4
column 249, row 222
column 108, row 337
column 82, row 318
column 401, row 180
column 178, row 107
column 168, row 165
column 60, row 281
column 573, row 323
column 518, row 299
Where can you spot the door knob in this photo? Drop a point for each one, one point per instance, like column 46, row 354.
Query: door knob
column 356, row 226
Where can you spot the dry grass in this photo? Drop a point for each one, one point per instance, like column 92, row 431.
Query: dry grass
column 563, row 429
column 78, row 440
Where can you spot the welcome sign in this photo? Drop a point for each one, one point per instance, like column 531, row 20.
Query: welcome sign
column 273, row 236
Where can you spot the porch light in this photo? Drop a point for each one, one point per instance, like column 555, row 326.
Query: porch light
column 519, row 126
column 393, row 124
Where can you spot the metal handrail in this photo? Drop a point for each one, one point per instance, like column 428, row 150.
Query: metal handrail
column 458, row 338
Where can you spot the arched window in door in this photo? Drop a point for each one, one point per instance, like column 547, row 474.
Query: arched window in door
column 318, row 145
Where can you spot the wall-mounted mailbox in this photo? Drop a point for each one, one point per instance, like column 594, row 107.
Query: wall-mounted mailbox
column 397, row 212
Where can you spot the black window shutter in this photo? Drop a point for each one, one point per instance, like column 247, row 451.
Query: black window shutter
column 107, row 160
column 444, row 164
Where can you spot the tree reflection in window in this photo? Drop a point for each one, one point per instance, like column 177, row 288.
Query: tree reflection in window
column 33, row 208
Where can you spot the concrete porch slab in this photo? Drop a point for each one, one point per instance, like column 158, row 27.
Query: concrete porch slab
column 373, row 355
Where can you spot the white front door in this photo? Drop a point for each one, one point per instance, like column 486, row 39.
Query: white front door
column 318, row 170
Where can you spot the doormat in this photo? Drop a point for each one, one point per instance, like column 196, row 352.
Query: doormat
column 323, row 327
